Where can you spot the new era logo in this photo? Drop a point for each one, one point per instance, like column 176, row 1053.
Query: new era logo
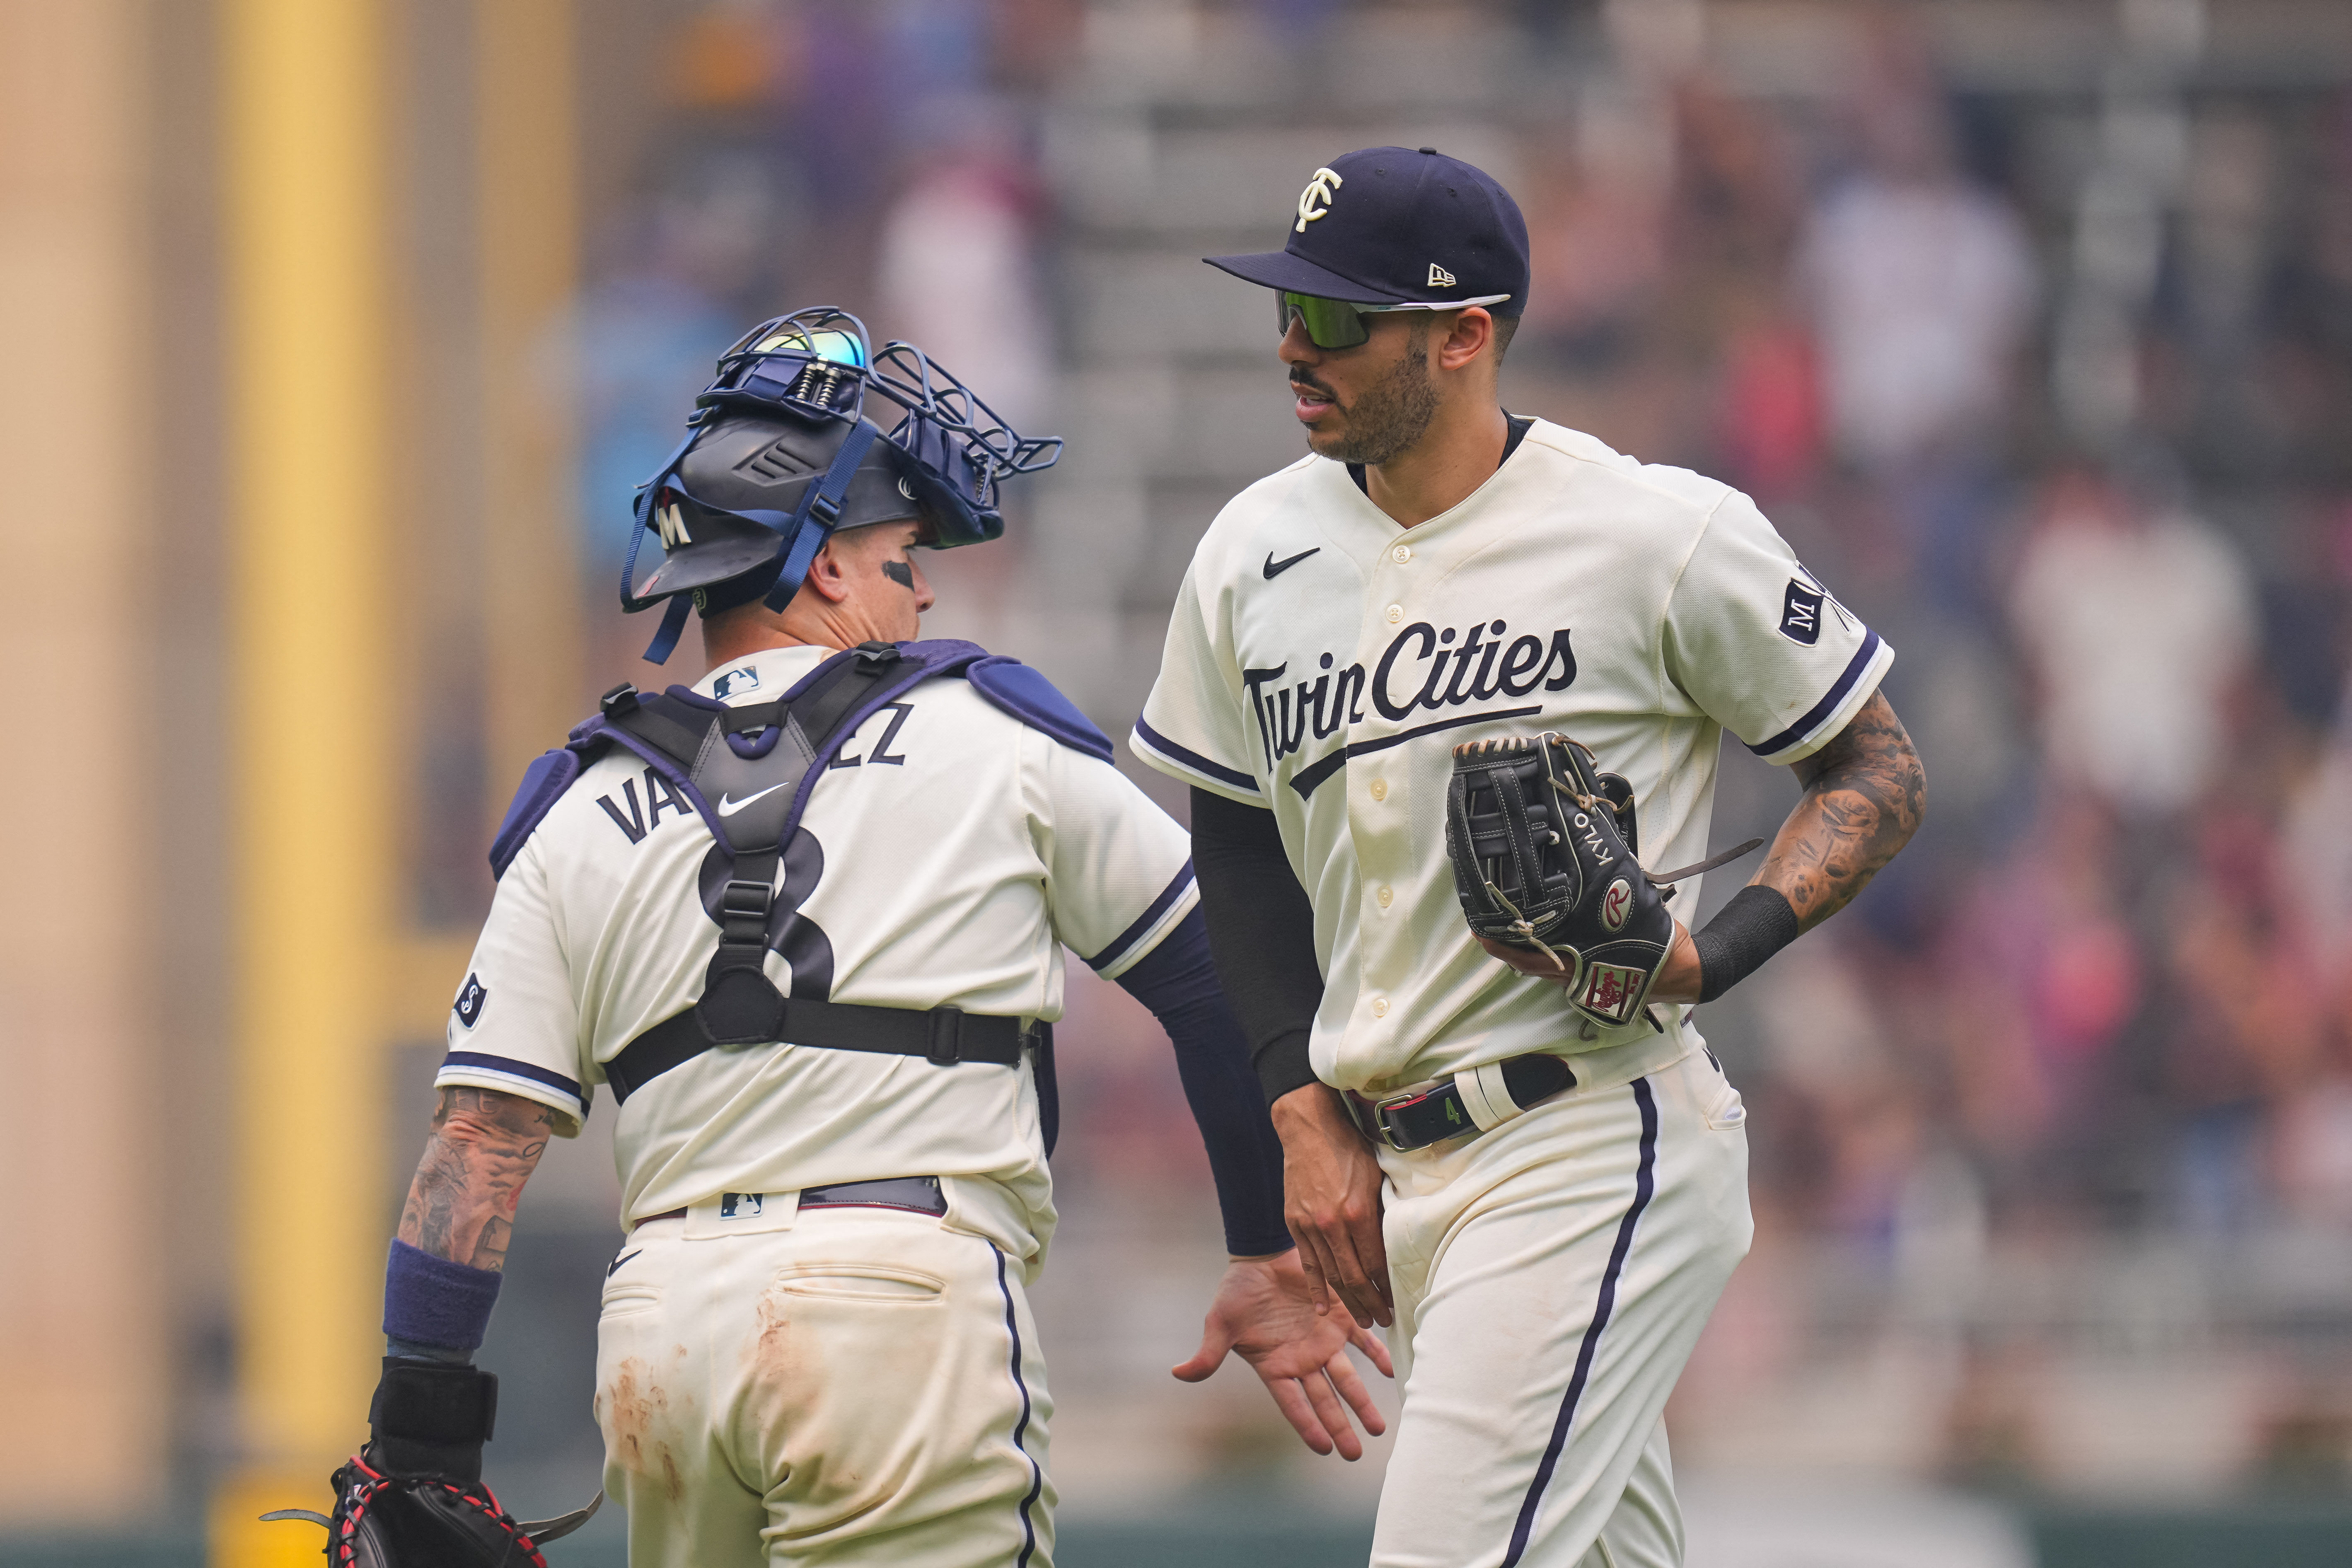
column 1439, row 278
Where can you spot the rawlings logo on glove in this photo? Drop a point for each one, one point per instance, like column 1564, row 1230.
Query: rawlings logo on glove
column 1543, row 846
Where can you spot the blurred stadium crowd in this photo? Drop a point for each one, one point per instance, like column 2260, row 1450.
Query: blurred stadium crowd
column 2047, row 372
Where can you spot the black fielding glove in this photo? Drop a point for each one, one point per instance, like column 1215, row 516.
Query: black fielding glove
column 1543, row 847
column 414, row 1497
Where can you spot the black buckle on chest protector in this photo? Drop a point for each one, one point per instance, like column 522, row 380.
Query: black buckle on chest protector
column 741, row 1006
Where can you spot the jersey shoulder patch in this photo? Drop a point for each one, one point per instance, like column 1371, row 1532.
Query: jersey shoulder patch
column 1028, row 696
column 544, row 784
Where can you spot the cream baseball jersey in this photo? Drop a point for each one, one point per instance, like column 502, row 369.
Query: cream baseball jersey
column 1322, row 662
column 955, row 850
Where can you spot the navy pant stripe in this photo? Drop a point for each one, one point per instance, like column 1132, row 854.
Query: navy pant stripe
column 1021, row 1431
column 1644, row 1182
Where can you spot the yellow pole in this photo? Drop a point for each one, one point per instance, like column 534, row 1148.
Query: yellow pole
column 314, row 795
column 528, row 219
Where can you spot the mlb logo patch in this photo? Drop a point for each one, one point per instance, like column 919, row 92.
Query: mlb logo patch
column 734, row 682
column 471, row 1000
column 741, row 1206
column 1800, row 614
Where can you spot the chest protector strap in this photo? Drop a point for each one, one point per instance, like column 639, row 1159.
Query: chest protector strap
column 749, row 770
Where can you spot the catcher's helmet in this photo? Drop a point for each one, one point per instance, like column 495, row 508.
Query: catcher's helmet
column 778, row 454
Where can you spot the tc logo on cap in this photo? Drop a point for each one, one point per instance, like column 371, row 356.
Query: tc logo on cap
column 1316, row 199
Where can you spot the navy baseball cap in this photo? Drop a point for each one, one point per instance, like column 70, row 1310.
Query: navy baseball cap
column 1398, row 225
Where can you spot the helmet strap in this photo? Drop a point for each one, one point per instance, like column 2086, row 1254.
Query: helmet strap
column 642, row 510
column 673, row 627
column 820, row 508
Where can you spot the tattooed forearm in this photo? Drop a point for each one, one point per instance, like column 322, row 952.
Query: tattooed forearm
column 1865, row 793
column 461, row 1206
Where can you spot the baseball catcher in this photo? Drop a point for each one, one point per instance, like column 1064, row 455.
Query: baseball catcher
column 803, row 922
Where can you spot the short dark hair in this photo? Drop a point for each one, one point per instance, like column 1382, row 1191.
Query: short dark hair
column 1506, row 328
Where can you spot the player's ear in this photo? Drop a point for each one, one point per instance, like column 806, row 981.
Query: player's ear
column 826, row 574
column 1473, row 330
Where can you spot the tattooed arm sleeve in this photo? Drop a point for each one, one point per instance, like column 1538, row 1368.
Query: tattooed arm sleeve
column 461, row 1206
column 1865, row 793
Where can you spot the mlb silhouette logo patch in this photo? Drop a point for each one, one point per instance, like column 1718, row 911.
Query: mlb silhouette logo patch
column 471, row 1000
column 741, row 1206
column 733, row 681
column 1800, row 614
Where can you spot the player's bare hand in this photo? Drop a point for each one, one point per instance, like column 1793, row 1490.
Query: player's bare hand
column 1266, row 1311
column 1331, row 1201
column 1677, row 977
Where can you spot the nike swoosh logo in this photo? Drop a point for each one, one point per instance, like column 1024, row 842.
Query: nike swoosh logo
column 618, row 1261
column 1277, row 568
column 729, row 807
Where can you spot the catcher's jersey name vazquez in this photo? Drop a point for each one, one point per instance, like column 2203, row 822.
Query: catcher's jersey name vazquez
column 1642, row 610
column 946, row 857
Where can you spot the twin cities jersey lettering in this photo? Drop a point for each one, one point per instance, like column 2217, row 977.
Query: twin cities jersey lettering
column 944, row 859
column 1323, row 663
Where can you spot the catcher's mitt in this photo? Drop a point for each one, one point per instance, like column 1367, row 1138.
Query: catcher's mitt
column 414, row 1497
column 1543, row 845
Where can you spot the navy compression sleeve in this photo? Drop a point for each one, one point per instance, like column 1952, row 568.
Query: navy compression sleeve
column 1265, row 935
column 1177, row 981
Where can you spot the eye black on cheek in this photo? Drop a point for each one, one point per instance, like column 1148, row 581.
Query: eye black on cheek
column 898, row 571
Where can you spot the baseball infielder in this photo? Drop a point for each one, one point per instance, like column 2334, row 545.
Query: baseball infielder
column 1551, row 1207
column 804, row 921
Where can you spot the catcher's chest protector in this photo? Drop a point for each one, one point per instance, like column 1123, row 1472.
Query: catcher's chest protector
column 1543, row 850
column 747, row 772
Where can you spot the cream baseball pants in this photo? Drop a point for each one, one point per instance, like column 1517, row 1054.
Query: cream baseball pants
column 863, row 1387
column 1550, row 1279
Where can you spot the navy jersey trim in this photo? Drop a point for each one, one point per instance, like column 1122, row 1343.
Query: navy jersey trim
column 1826, row 706
column 1021, row 1428
column 1194, row 760
column 1306, row 780
column 1144, row 922
column 483, row 1062
column 1644, row 1184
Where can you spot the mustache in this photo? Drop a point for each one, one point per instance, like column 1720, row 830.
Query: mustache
column 1308, row 383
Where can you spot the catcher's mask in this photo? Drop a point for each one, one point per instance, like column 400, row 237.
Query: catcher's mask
column 778, row 454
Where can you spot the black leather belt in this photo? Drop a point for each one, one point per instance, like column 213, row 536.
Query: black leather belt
column 914, row 1195
column 943, row 1036
column 1418, row 1118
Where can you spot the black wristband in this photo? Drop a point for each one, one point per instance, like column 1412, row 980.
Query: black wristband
column 431, row 1418
column 1756, row 923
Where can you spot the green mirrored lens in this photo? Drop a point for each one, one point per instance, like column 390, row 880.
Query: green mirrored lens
column 1330, row 323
